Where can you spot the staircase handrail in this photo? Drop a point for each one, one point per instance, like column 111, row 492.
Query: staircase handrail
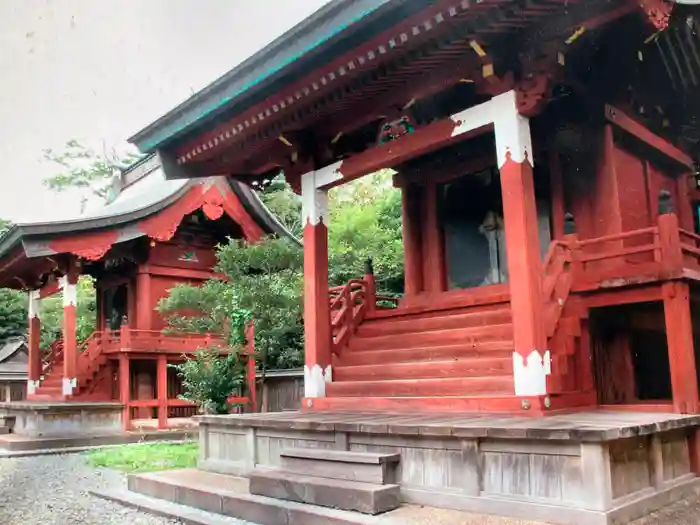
column 89, row 352
column 556, row 281
column 348, row 306
column 55, row 351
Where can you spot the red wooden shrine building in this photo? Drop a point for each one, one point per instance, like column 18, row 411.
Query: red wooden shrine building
column 545, row 154
column 153, row 235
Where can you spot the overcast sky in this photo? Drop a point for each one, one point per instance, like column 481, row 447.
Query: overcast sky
column 100, row 70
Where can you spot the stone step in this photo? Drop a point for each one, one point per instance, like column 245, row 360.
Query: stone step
column 379, row 327
column 367, row 498
column 367, row 467
column 424, row 369
column 453, row 386
column 367, row 356
column 228, row 495
column 472, row 335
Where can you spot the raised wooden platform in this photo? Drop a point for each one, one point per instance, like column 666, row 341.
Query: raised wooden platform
column 588, row 468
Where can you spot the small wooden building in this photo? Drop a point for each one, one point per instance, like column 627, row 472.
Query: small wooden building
column 153, row 235
column 13, row 369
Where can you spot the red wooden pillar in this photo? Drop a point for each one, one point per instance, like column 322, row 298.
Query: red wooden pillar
column 557, row 189
column 124, row 390
column 68, row 284
column 251, row 373
column 411, row 225
column 317, row 319
column 681, row 353
column 35, row 364
column 162, row 391
column 434, row 259
column 531, row 362
column 144, row 306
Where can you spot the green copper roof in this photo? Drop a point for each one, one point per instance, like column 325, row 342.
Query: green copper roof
column 310, row 34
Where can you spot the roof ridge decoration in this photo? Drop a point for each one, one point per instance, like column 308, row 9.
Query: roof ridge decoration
column 212, row 196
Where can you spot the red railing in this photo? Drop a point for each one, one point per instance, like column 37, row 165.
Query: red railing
column 556, row 282
column 55, row 354
column 690, row 247
column 349, row 304
column 153, row 341
column 599, row 253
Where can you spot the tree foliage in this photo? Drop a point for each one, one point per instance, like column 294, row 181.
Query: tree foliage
column 265, row 279
column 82, row 168
column 264, row 283
column 210, row 378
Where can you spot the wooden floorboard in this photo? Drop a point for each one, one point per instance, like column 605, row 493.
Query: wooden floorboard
column 595, row 425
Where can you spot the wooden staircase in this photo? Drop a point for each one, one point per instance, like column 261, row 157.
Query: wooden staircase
column 464, row 352
column 450, row 355
column 92, row 364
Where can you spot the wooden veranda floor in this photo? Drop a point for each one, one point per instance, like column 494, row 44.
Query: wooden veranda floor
column 596, row 425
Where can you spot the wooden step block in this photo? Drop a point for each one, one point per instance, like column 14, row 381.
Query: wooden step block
column 367, row 498
column 447, row 321
column 496, row 332
column 365, row 356
column 456, row 386
column 367, row 467
column 424, row 369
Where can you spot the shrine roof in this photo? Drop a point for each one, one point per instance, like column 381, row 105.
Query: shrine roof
column 13, row 359
column 312, row 42
column 144, row 194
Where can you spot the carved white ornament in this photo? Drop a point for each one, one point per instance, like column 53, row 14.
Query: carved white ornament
column 315, row 379
column 530, row 374
column 70, row 292
column 34, row 304
column 314, row 201
column 69, row 384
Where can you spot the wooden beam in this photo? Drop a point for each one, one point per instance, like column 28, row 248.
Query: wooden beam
column 634, row 128
column 424, row 140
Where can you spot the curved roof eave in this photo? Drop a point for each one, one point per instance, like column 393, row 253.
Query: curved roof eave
column 282, row 57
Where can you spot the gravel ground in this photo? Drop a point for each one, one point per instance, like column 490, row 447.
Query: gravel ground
column 52, row 490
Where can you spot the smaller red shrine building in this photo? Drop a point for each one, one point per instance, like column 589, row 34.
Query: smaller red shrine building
column 153, row 235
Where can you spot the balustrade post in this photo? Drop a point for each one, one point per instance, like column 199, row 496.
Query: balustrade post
column 125, row 337
column 669, row 235
column 571, row 238
column 370, row 286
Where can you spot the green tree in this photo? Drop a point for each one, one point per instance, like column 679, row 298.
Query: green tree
column 365, row 222
column 265, row 279
column 210, row 378
column 82, row 168
column 264, row 283
column 13, row 304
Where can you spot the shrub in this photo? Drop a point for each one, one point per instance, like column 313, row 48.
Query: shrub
column 210, row 378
